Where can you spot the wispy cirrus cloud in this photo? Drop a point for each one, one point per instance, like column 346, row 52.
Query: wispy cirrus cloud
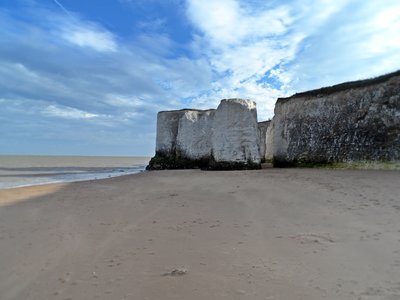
column 62, row 7
column 67, row 112
column 89, row 36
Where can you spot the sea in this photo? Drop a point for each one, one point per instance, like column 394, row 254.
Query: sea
column 19, row 171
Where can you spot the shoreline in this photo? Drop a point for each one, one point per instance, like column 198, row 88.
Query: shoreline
column 322, row 168
column 18, row 171
column 106, row 175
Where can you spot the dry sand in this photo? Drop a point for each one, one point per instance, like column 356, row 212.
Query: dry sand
column 268, row 234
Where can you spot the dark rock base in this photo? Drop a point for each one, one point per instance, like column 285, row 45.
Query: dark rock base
column 163, row 161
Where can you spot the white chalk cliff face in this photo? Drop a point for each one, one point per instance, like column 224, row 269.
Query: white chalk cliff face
column 355, row 121
column 235, row 132
column 167, row 130
column 224, row 138
column 194, row 140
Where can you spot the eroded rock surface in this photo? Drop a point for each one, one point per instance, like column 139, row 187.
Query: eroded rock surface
column 235, row 132
column 194, row 134
column 226, row 138
column 167, row 130
column 350, row 122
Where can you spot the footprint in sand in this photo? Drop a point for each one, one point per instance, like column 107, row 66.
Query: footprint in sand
column 312, row 238
column 176, row 272
column 378, row 294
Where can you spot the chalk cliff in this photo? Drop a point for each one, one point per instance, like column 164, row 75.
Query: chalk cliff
column 193, row 139
column 225, row 138
column 234, row 133
column 167, row 130
column 354, row 121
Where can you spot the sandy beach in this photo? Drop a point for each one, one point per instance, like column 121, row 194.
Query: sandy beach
column 189, row 234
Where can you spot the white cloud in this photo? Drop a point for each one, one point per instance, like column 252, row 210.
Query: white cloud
column 77, row 31
column 67, row 112
column 131, row 105
column 384, row 29
column 242, row 44
column 123, row 101
column 89, row 36
column 228, row 23
column 357, row 41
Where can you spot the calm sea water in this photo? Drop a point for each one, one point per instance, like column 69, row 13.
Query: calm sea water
column 17, row 171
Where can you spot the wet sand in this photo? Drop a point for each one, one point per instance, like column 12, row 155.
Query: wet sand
column 267, row 234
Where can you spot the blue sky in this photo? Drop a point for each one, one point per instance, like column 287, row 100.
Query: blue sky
column 88, row 77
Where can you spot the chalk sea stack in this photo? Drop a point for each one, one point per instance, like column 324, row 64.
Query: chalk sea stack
column 225, row 138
